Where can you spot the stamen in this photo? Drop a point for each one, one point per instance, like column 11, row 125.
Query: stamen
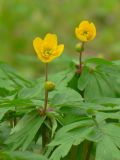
column 47, row 52
column 85, row 32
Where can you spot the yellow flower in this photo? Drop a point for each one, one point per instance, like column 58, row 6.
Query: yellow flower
column 86, row 31
column 47, row 49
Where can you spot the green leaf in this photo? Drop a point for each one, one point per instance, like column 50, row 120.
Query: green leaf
column 72, row 126
column 107, row 101
column 54, row 126
column 8, row 73
column 92, row 89
column 108, row 144
column 106, row 149
column 100, row 77
column 62, row 150
column 66, row 96
column 31, row 92
column 101, row 116
column 4, row 133
column 72, row 134
column 99, row 61
column 25, row 131
column 114, row 132
column 84, row 79
column 3, row 111
column 7, row 155
column 15, row 102
column 94, row 135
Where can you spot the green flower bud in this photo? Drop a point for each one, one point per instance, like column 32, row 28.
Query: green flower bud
column 78, row 47
column 49, row 86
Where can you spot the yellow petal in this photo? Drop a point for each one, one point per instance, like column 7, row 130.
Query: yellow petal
column 45, row 60
column 84, row 24
column 57, row 53
column 93, row 28
column 80, row 36
column 59, row 50
column 38, row 44
column 50, row 40
column 77, row 32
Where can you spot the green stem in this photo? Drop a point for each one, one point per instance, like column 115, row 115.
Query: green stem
column 11, row 123
column 80, row 56
column 44, row 129
column 46, row 92
column 73, row 152
column 90, row 144
column 44, row 137
column 15, row 119
column 86, row 150
column 95, row 121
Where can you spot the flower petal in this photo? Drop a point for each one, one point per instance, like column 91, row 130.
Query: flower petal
column 37, row 44
column 77, row 32
column 84, row 24
column 79, row 35
column 50, row 40
column 93, row 28
column 59, row 50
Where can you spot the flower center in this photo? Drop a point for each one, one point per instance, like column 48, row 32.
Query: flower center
column 85, row 33
column 47, row 52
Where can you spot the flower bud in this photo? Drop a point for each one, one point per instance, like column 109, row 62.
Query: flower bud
column 49, row 86
column 78, row 47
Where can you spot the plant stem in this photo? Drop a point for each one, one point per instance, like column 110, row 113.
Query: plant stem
column 46, row 71
column 95, row 121
column 15, row 119
column 90, row 144
column 73, row 152
column 46, row 92
column 80, row 56
column 44, row 137
column 87, row 145
column 44, row 129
